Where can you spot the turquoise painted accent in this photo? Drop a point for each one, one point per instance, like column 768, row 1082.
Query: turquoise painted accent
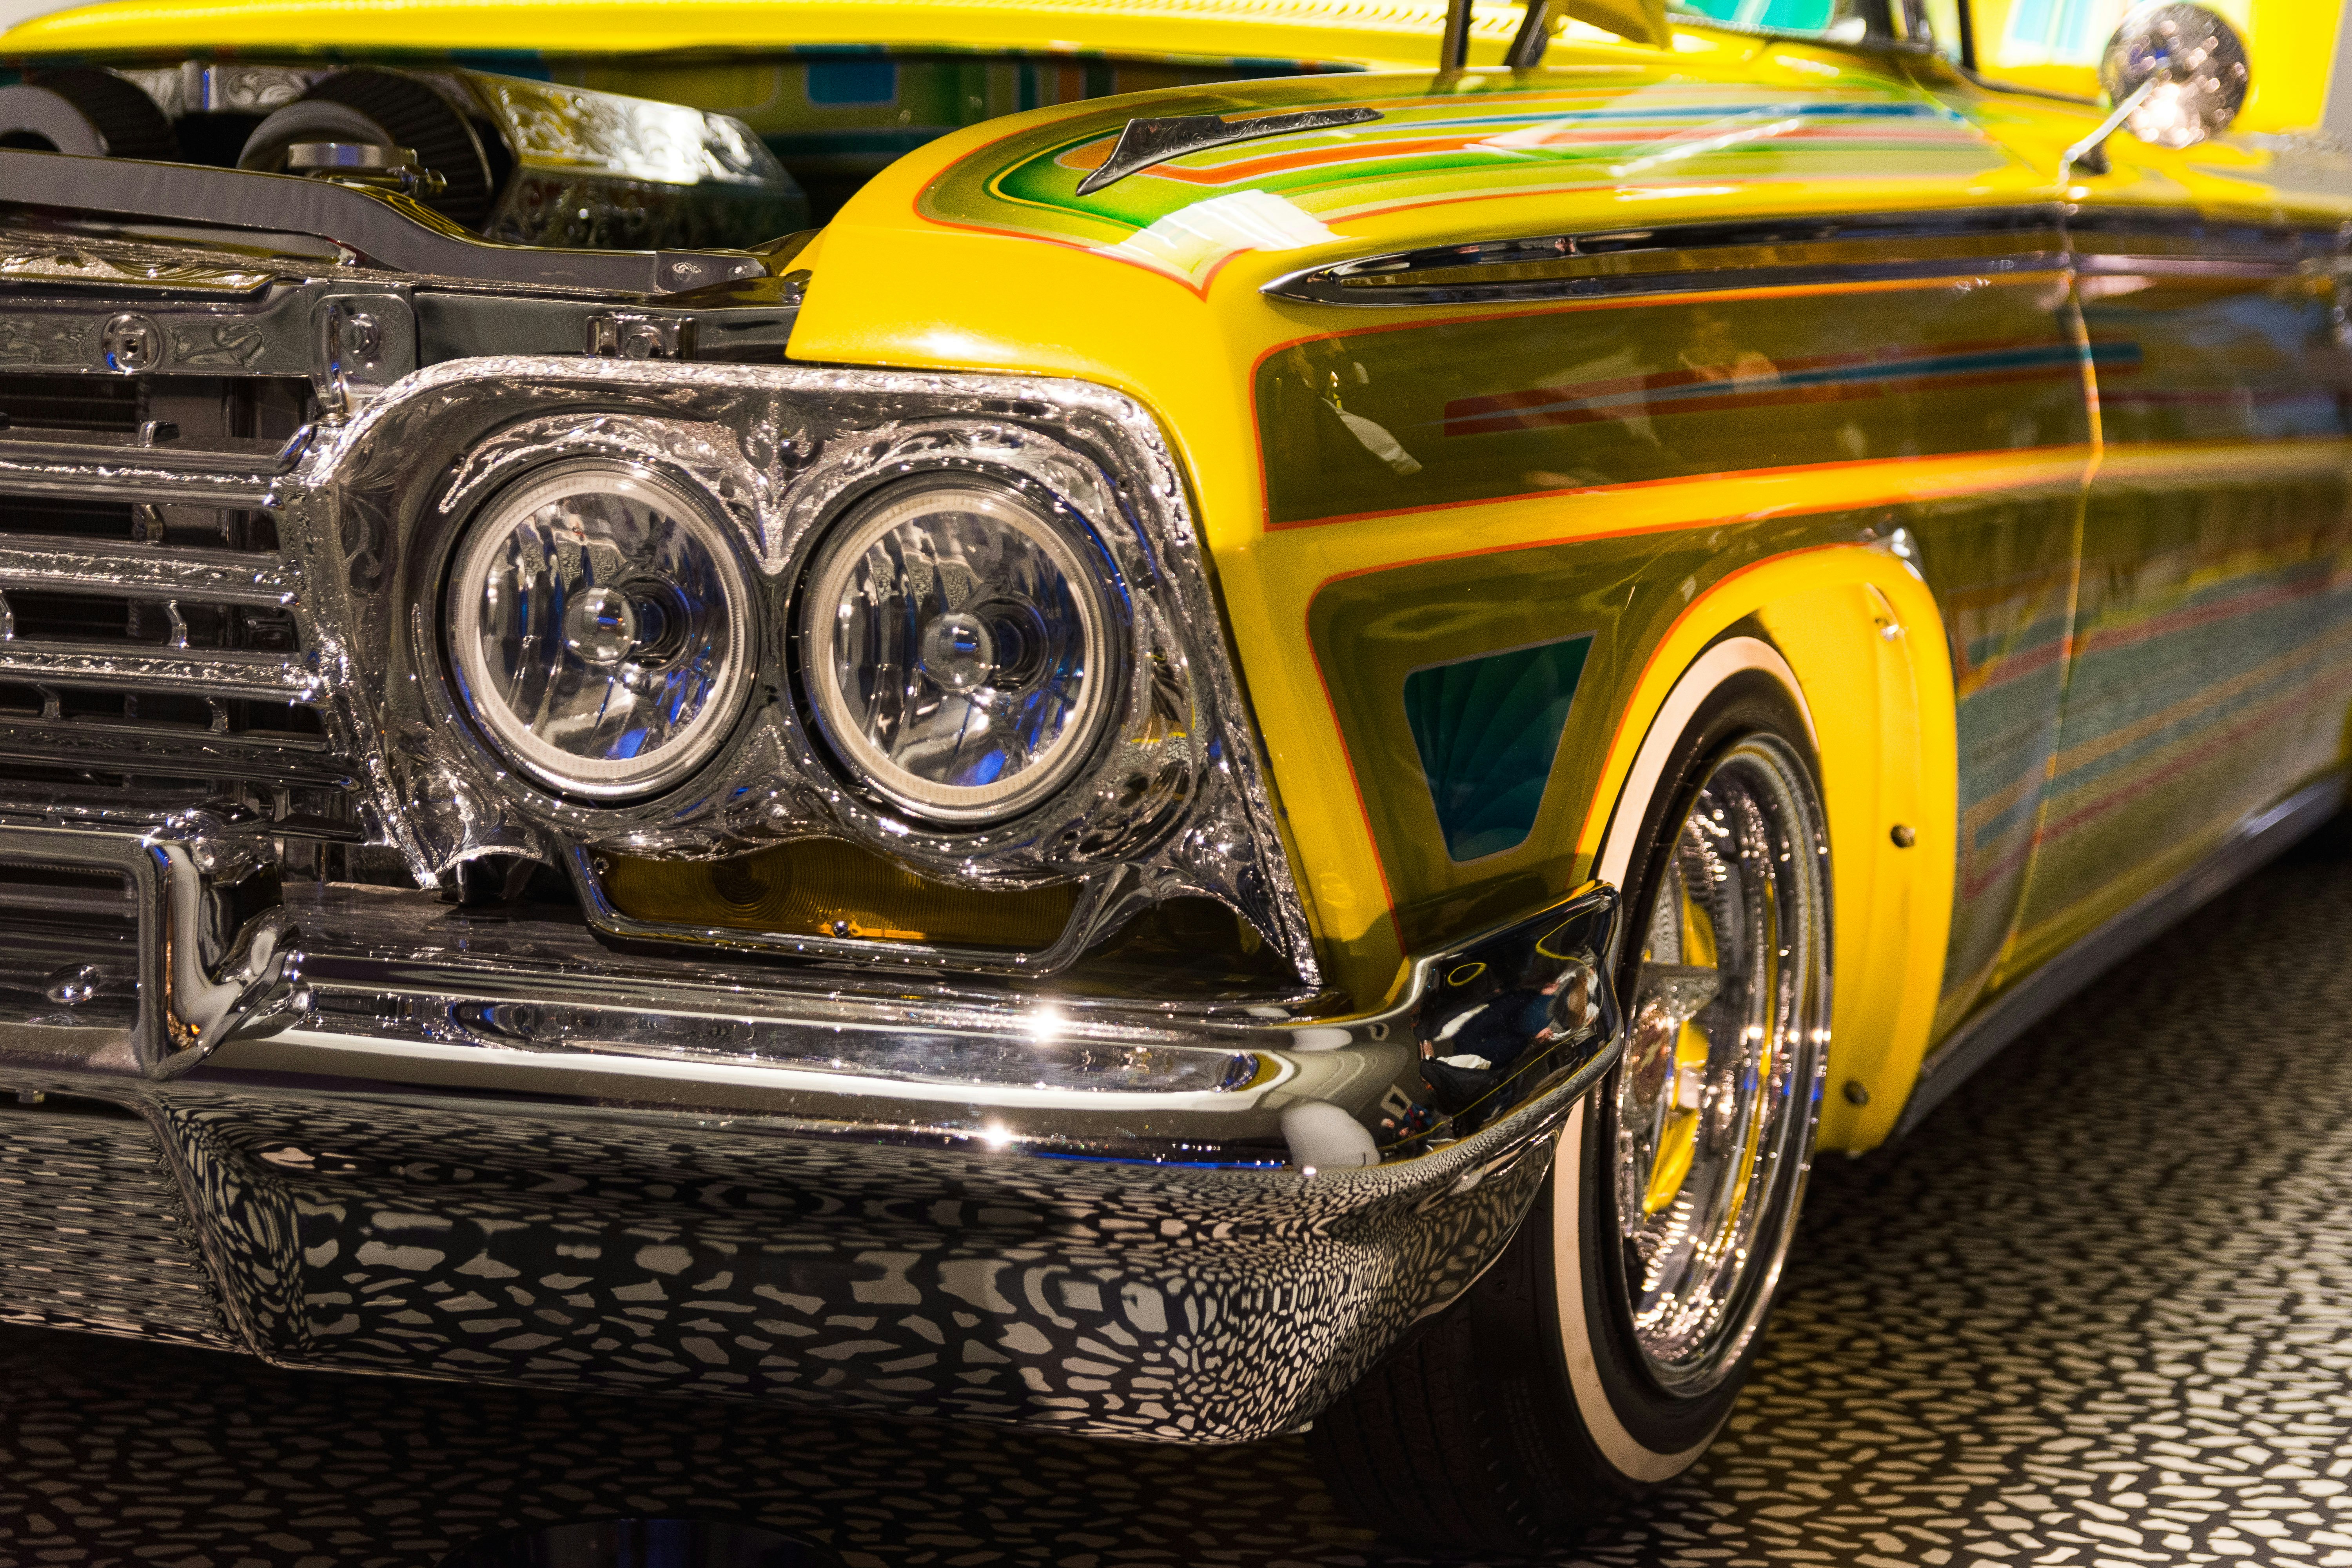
column 853, row 81
column 1790, row 15
column 1486, row 729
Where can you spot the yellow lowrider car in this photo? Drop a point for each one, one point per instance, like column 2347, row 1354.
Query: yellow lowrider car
column 1161, row 718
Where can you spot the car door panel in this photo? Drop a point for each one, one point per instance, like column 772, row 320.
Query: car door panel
column 2208, row 675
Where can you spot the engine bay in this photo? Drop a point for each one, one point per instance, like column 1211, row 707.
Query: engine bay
column 502, row 157
column 587, row 153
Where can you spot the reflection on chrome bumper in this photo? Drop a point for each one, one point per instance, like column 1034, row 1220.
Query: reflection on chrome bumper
column 417, row 1141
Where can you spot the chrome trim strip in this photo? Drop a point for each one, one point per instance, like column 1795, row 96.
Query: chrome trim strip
column 2250, row 847
column 107, row 746
column 30, row 443
column 1007, row 1071
column 152, row 571
column 1330, row 284
column 227, row 672
column 1385, row 280
column 1143, row 144
column 90, row 477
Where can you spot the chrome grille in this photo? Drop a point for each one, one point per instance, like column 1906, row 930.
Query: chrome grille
column 152, row 646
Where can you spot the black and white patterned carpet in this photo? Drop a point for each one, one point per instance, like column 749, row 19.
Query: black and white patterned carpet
column 2097, row 1311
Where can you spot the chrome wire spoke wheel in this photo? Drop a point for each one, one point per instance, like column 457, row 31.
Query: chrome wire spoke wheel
column 1606, row 1348
column 1719, row 1090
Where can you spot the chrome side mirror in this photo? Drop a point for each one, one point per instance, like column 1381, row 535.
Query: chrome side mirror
column 2177, row 75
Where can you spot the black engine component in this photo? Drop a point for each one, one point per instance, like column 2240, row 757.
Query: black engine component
column 388, row 110
column 90, row 112
column 512, row 161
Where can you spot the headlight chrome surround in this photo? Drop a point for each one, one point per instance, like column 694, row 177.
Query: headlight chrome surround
column 636, row 583
column 1173, row 800
column 953, row 624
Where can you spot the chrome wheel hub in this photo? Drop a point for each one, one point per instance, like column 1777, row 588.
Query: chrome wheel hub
column 1720, row 1085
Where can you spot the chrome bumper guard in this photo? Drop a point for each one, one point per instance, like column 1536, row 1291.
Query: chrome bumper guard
column 418, row 1141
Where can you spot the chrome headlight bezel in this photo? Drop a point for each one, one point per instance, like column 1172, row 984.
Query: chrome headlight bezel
column 860, row 522
column 472, row 558
column 1172, row 801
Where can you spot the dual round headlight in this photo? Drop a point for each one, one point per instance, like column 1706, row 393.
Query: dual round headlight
column 956, row 642
column 957, row 649
column 601, row 623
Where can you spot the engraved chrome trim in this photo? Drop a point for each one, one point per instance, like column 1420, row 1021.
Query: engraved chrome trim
column 225, row 672
column 1144, row 143
column 221, row 577
column 31, row 446
column 1177, row 804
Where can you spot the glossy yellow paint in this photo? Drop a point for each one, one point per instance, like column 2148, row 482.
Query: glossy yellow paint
column 1368, row 34
column 1884, row 706
column 2244, row 699
column 1883, row 715
column 890, row 289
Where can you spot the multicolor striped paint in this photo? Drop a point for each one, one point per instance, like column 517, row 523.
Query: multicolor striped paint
column 1590, row 394
column 1632, row 128
column 1751, row 384
column 2209, row 662
column 2148, row 642
column 1690, row 390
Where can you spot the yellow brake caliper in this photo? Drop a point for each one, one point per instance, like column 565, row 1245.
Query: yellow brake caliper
column 1678, row 1132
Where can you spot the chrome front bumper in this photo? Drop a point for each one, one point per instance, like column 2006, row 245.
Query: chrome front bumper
column 408, row 1139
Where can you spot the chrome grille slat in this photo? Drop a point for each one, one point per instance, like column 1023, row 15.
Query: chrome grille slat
column 221, row 577
column 237, row 458
column 158, row 487
column 223, row 673
column 156, row 647
column 289, row 759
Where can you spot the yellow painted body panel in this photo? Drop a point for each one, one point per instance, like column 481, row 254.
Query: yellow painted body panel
column 1370, row 34
column 1183, row 345
column 2293, row 41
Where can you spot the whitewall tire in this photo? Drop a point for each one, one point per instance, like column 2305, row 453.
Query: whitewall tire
column 1604, row 1349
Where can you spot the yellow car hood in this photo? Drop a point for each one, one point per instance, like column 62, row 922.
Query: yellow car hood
column 1363, row 33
